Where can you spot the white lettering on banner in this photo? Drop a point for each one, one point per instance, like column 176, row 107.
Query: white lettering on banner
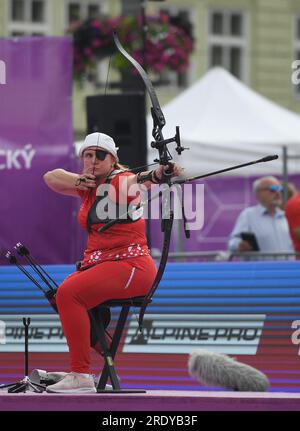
column 175, row 333
column 180, row 333
column 2, row 332
column 17, row 159
column 2, row 72
column 45, row 334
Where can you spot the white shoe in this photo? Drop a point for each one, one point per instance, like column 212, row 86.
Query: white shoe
column 43, row 377
column 55, row 377
column 73, row 383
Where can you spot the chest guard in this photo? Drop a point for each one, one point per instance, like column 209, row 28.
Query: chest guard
column 104, row 209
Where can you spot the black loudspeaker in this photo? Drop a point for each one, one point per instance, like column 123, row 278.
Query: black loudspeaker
column 123, row 117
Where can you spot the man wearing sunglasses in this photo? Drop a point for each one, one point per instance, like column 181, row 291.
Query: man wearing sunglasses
column 262, row 227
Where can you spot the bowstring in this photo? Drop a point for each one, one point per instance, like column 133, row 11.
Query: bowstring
column 105, row 93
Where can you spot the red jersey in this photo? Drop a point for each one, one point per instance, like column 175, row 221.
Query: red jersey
column 292, row 213
column 120, row 241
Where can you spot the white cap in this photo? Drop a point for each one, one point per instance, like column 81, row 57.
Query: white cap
column 99, row 140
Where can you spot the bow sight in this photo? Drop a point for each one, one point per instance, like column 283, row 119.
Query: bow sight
column 161, row 145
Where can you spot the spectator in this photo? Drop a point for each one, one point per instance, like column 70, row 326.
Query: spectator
column 290, row 192
column 292, row 212
column 266, row 221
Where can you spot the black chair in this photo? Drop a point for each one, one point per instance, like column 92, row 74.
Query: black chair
column 109, row 351
column 99, row 319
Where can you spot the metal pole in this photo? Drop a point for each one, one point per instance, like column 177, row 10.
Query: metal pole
column 26, row 323
column 285, row 174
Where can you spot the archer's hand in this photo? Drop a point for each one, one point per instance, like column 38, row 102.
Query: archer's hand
column 85, row 182
column 175, row 169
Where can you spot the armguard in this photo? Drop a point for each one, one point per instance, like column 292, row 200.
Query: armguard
column 142, row 177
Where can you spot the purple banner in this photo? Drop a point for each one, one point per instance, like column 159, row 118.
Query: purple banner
column 35, row 136
column 224, row 199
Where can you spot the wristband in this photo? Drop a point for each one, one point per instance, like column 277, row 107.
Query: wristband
column 142, row 177
column 79, row 181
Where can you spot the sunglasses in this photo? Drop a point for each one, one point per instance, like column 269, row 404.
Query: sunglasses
column 273, row 188
column 100, row 154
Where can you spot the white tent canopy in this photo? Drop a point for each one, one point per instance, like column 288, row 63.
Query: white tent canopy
column 224, row 123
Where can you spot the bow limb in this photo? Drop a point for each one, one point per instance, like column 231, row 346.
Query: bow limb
column 159, row 116
column 156, row 112
column 164, row 157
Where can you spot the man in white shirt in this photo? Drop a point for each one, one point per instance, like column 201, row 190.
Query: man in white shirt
column 265, row 220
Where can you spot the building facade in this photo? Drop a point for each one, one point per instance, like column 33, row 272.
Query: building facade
column 256, row 40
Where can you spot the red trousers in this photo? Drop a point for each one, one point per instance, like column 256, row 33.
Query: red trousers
column 86, row 289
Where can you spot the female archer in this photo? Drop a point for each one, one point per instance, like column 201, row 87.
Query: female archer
column 116, row 263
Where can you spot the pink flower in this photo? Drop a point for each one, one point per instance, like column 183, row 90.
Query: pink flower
column 96, row 43
column 96, row 23
column 88, row 52
column 159, row 46
column 137, row 56
column 170, row 39
column 158, row 67
column 77, row 55
column 166, row 47
column 80, row 66
column 164, row 17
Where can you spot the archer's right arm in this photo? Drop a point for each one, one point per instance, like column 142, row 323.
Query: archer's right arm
column 68, row 183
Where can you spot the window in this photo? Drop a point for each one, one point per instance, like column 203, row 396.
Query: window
column 93, row 11
column 28, row 17
column 73, row 12
column 37, row 11
column 18, row 10
column 227, row 41
column 235, row 61
column 217, row 23
column 236, row 25
column 226, row 23
column 297, row 28
column 17, row 33
column 216, row 55
column 78, row 10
